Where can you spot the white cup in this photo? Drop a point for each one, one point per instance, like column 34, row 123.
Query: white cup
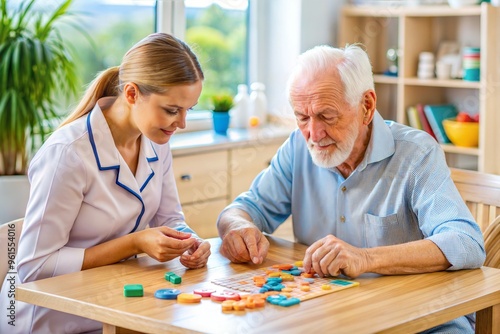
column 425, row 74
column 443, row 70
column 425, row 67
column 426, row 57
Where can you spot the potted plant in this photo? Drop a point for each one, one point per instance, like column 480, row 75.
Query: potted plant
column 36, row 70
column 222, row 103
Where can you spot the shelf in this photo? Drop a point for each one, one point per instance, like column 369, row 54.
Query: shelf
column 415, row 29
column 410, row 11
column 385, row 79
column 449, row 148
column 451, row 83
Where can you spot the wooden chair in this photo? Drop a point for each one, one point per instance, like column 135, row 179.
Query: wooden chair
column 492, row 244
column 481, row 193
column 9, row 238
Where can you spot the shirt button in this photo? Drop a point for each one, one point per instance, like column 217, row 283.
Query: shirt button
column 342, row 219
column 344, row 188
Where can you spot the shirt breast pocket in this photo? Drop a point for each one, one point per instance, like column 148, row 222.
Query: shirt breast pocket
column 383, row 231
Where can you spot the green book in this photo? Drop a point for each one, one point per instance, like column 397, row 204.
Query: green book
column 435, row 115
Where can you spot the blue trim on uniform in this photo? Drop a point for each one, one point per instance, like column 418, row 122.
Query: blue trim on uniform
column 92, row 143
column 147, row 181
column 155, row 158
column 117, row 168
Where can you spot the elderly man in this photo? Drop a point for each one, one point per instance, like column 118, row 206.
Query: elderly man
column 367, row 195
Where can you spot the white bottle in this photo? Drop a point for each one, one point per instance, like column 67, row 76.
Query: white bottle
column 240, row 110
column 258, row 104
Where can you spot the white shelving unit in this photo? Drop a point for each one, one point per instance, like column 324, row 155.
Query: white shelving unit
column 416, row 29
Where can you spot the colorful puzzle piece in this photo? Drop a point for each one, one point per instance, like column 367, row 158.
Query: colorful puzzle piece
column 282, row 300
column 188, row 298
column 204, row 292
column 278, row 279
column 283, row 285
column 173, row 278
column 167, row 293
column 133, row 290
column 247, row 301
column 225, row 295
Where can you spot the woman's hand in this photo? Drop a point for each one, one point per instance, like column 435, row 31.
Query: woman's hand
column 164, row 243
column 197, row 255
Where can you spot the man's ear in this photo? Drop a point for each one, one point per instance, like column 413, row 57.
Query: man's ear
column 131, row 92
column 369, row 106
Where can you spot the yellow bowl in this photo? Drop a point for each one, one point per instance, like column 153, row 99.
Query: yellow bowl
column 462, row 133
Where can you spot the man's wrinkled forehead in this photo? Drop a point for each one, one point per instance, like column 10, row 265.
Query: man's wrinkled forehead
column 316, row 87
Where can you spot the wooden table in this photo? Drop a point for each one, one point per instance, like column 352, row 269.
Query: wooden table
column 389, row 304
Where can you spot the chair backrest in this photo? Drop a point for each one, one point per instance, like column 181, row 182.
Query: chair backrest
column 9, row 239
column 492, row 244
column 481, row 193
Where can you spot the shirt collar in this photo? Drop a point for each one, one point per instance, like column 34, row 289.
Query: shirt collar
column 105, row 151
column 381, row 145
column 103, row 145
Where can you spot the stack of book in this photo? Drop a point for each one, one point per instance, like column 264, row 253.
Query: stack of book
column 430, row 119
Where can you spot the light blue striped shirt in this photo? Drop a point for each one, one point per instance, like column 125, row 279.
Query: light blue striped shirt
column 400, row 192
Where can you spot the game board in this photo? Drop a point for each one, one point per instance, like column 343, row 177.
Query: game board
column 318, row 286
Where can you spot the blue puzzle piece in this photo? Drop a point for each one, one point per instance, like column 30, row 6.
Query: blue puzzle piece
column 167, row 293
column 341, row 282
column 275, row 299
column 289, row 302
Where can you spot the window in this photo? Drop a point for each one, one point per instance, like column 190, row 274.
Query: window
column 215, row 29
column 113, row 26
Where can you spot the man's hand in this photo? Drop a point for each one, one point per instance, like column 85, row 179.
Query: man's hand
column 245, row 244
column 242, row 241
column 332, row 256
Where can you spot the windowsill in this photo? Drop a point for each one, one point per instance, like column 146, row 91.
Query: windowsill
column 197, row 121
column 202, row 120
column 208, row 140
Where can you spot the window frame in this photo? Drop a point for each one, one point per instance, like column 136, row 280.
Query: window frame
column 171, row 19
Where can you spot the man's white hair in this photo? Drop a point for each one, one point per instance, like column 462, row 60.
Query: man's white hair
column 352, row 63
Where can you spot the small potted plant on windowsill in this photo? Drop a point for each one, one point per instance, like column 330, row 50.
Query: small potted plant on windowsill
column 222, row 103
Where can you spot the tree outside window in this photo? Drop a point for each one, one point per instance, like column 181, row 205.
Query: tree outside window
column 215, row 29
column 219, row 37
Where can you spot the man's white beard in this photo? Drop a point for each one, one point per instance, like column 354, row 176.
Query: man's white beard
column 325, row 159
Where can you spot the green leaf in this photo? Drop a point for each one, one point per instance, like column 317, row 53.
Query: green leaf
column 59, row 12
column 24, row 10
column 36, row 66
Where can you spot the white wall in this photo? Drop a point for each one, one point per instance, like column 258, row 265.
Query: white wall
column 282, row 29
column 14, row 195
column 319, row 23
column 277, row 37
